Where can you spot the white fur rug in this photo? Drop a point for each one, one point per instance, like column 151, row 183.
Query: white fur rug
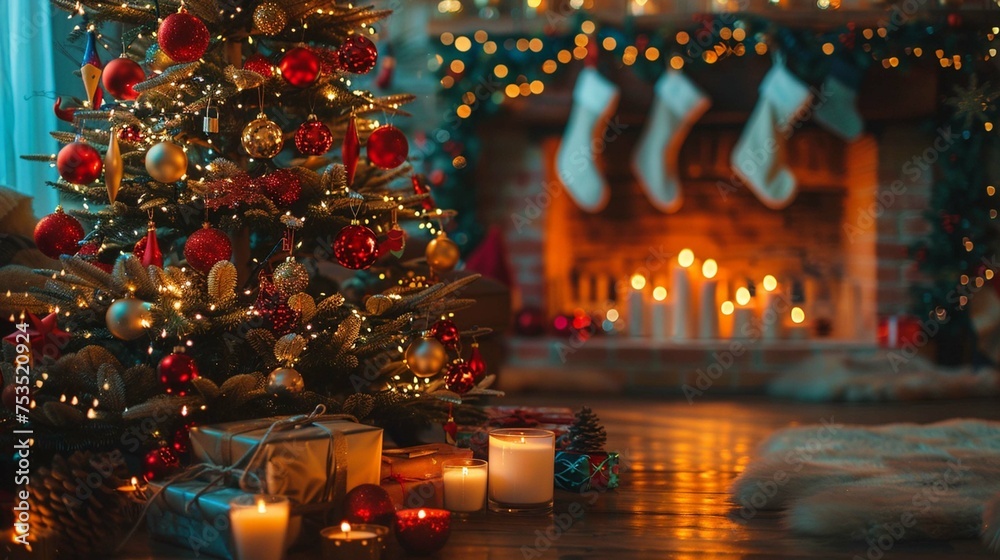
column 882, row 377
column 881, row 484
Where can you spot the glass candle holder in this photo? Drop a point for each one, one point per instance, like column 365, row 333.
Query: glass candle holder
column 522, row 470
column 353, row 542
column 423, row 531
column 464, row 484
column 260, row 525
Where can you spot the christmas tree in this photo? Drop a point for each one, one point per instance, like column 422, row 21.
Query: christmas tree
column 225, row 149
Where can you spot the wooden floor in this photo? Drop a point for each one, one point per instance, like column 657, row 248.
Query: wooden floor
column 672, row 502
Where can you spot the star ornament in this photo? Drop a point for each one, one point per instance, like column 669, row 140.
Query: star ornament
column 973, row 103
column 45, row 338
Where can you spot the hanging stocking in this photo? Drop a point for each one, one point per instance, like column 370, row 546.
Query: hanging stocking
column 758, row 158
column 678, row 103
column 594, row 99
column 837, row 111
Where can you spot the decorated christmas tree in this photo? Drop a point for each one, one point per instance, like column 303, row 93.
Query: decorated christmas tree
column 220, row 153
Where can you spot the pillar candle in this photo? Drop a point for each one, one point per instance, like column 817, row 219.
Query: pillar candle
column 464, row 484
column 771, row 321
column 681, row 288
column 259, row 524
column 797, row 328
column 522, row 470
column 708, row 312
column 743, row 314
column 660, row 313
column 636, row 305
column 726, row 310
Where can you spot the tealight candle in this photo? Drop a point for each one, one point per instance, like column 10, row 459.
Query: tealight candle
column 357, row 542
column 260, row 524
column 522, row 470
column 464, row 484
column 423, row 531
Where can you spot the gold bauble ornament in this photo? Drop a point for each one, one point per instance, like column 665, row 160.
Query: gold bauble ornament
column 290, row 277
column 442, row 253
column 270, row 18
column 262, row 138
column 285, row 381
column 425, row 356
column 129, row 319
column 166, row 162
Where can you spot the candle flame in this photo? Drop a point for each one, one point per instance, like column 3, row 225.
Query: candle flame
column 421, row 514
column 685, row 258
column 135, row 481
column 261, row 507
column 709, row 268
column 660, row 293
column 728, row 308
column 465, row 471
column 345, row 527
column 742, row 295
column 522, row 439
column 798, row 315
column 638, row 281
column 770, row 283
column 184, row 410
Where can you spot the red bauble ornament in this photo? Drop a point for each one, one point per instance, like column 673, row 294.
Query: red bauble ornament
column 423, row 531
column 477, row 365
column 260, row 64
column 89, row 252
column 181, row 443
column 274, row 309
column 283, row 187
column 459, row 377
column 446, row 332
column 176, row 371
column 120, row 75
column 313, row 138
column 299, row 67
column 350, row 150
column 357, row 55
column 58, row 234
column 79, row 163
column 356, row 247
column 183, row 37
column 420, row 187
column 130, row 133
column 206, row 247
column 371, row 504
column 159, row 464
column 387, row 147
column 529, row 321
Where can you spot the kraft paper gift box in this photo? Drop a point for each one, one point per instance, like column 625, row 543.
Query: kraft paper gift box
column 301, row 462
column 422, row 461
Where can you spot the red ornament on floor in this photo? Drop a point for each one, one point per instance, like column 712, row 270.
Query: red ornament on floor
column 299, row 67
column 79, row 163
column 369, row 503
column 459, row 377
column 183, row 37
column 313, row 138
column 176, row 371
column 260, row 64
column 58, row 234
column 120, row 75
column 159, row 464
column 206, row 247
column 356, row 247
column 446, row 332
column 423, row 531
column 357, row 55
column 387, row 147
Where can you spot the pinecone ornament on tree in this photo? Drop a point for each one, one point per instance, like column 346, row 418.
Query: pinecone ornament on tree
column 587, row 435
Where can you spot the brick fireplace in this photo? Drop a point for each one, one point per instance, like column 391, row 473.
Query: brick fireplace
column 841, row 247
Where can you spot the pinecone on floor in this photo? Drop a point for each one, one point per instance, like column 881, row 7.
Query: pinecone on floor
column 586, row 435
column 76, row 506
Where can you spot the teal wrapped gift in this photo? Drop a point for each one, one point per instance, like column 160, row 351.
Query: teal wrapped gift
column 579, row 472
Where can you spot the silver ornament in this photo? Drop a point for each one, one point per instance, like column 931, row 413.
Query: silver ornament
column 285, row 381
column 129, row 319
column 290, row 277
column 262, row 138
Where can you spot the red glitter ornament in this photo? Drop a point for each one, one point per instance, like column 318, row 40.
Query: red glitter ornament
column 79, row 163
column 58, row 234
column 159, row 463
column 446, row 332
column 176, row 371
column 313, row 138
column 420, row 187
column 423, row 531
column 120, row 75
column 282, row 187
column 89, row 252
column 357, row 55
column 351, row 150
column 183, row 37
column 206, row 247
column 260, row 64
column 477, row 365
column 371, row 504
column 130, row 133
column 387, row 147
column 356, row 247
column 274, row 309
column 459, row 377
column 299, row 67
column 181, row 442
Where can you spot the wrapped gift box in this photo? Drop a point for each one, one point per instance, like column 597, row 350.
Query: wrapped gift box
column 422, row 461
column 407, row 493
column 298, row 462
column 579, row 472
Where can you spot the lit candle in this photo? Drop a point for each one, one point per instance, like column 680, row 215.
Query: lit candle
column 636, row 321
column 726, row 321
column 660, row 314
column 797, row 329
column 743, row 315
column 260, row 524
column 708, row 315
column 522, row 470
column 681, row 287
column 464, row 484
column 769, row 308
column 360, row 542
column 423, row 531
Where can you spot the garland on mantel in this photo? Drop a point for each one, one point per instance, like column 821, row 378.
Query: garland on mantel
column 480, row 73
